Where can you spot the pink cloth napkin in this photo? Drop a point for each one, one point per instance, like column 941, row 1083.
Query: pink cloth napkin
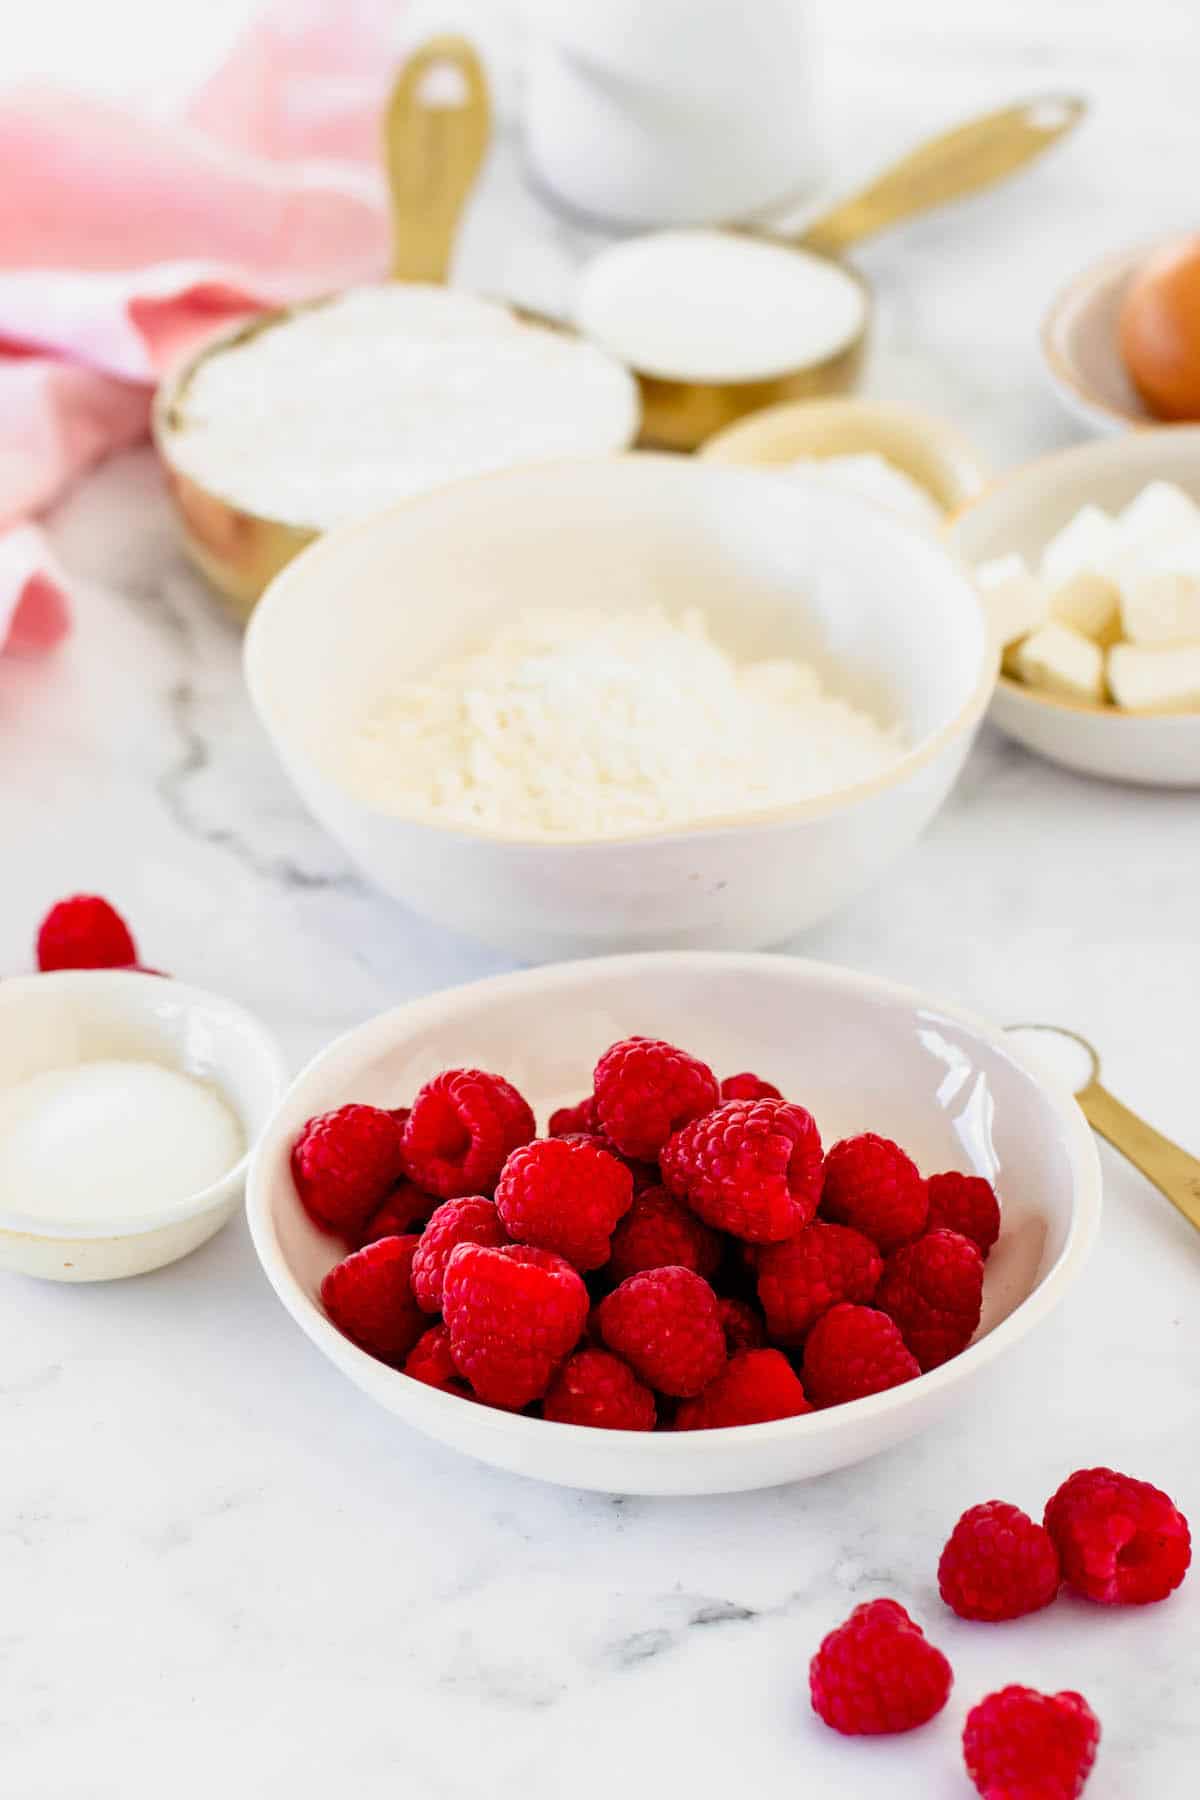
column 124, row 240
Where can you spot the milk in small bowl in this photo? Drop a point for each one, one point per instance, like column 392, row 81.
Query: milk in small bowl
column 128, row 1106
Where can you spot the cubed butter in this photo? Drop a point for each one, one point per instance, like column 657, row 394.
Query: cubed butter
column 1014, row 599
column 1001, row 569
column 1160, row 512
column 1155, row 680
column 1160, row 609
column 1060, row 661
column 1088, row 542
column 1090, row 604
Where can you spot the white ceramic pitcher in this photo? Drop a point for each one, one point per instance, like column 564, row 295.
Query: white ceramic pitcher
column 658, row 112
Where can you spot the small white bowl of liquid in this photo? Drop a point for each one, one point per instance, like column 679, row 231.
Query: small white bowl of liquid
column 128, row 1109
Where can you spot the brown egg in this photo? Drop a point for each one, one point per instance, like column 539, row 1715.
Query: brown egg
column 1160, row 331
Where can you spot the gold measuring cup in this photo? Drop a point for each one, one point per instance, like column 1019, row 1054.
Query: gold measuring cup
column 433, row 152
column 1173, row 1171
column 435, row 133
column 681, row 415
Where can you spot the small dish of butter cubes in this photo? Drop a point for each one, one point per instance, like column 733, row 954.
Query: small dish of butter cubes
column 1088, row 562
column 1111, row 615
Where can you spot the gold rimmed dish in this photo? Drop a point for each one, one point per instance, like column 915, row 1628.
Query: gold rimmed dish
column 926, row 449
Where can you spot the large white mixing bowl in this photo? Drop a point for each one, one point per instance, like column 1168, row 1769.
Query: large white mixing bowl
column 886, row 613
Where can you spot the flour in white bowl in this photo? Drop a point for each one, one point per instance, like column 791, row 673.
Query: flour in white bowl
column 583, row 724
column 343, row 408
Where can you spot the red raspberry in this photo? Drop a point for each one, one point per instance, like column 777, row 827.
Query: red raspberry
column 345, row 1164
column 748, row 1087
column 514, row 1312
column 645, row 1090
column 803, row 1278
column 84, row 932
column 472, row 1220
column 934, row 1291
column 878, row 1673
column 1022, row 1745
column 665, row 1323
column 871, row 1184
column 967, row 1204
column 643, row 1174
column 658, row 1231
column 1120, row 1541
column 752, row 1168
column 462, row 1128
column 852, row 1351
column 369, row 1298
column 405, row 1209
column 591, row 1338
column 430, row 1361
column 565, row 1195
column 743, row 1328
column 568, row 1119
column 754, row 1386
column 998, row 1564
column 595, row 1388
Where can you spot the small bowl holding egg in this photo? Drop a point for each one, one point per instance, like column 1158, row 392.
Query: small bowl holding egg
column 128, row 1109
column 1089, row 564
column 1121, row 342
column 632, row 702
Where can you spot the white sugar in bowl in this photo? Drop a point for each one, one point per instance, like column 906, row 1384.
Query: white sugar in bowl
column 129, row 1105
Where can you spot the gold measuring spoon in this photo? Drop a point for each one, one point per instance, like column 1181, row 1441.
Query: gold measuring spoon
column 1173, row 1171
column 681, row 414
column 435, row 133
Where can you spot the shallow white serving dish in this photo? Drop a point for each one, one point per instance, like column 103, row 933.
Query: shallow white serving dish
column 860, row 1052
column 1021, row 511
column 884, row 609
column 53, row 1021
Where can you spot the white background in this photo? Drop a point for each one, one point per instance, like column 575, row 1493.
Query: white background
column 220, row 1569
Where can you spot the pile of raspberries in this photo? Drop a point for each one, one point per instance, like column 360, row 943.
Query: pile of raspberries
column 1106, row 1536
column 676, row 1253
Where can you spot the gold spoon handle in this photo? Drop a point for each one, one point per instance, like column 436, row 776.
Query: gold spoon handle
column 1170, row 1168
column 948, row 167
column 435, row 134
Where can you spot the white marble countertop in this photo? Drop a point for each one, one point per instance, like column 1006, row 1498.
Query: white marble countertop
column 223, row 1568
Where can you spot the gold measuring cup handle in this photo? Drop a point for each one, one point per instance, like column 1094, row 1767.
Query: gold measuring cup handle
column 436, row 127
column 949, row 167
column 1172, row 1170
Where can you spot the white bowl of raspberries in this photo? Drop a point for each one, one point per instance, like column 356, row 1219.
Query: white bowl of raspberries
column 675, row 1223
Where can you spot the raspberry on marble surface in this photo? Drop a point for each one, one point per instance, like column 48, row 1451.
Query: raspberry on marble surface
column 878, row 1673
